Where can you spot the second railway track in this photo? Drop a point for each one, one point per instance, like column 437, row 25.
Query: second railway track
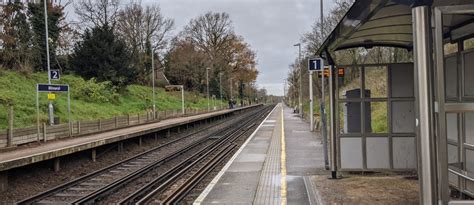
column 97, row 186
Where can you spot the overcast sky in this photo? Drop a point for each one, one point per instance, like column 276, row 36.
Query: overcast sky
column 271, row 27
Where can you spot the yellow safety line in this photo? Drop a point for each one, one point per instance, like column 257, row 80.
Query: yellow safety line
column 283, row 162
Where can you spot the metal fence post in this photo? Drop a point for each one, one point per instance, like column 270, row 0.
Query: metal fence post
column 78, row 127
column 10, row 126
column 44, row 133
column 70, row 127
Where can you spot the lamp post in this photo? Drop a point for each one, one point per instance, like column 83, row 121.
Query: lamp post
column 323, row 103
column 207, row 85
column 220, row 85
column 182, row 100
column 50, row 105
column 153, row 80
column 300, row 105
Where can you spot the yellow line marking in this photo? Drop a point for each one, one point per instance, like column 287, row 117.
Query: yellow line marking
column 283, row 161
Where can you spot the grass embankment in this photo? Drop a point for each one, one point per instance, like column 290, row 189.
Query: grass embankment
column 89, row 100
column 376, row 82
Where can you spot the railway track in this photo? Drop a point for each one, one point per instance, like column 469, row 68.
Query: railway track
column 173, row 186
column 97, row 185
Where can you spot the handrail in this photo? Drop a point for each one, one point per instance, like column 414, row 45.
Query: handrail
column 460, row 173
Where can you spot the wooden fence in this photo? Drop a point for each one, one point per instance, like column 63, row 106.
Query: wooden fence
column 43, row 132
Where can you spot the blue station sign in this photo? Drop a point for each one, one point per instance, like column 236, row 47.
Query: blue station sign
column 315, row 64
column 52, row 88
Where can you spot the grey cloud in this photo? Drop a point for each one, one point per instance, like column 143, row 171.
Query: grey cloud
column 271, row 27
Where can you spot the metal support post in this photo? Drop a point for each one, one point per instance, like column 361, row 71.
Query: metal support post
column 324, row 131
column 311, row 102
column 333, row 112
column 10, row 126
column 323, row 101
column 220, row 85
column 153, row 81
column 207, row 85
column 425, row 120
column 182, row 99
column 50, row 105
column 442, row 142
column 300, row 99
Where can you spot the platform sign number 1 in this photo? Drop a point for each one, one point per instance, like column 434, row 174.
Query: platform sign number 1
column 316, row 64
column 55, row 75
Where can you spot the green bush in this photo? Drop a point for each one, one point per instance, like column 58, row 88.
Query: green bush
column 92, row 91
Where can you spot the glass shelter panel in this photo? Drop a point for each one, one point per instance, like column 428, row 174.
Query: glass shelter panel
column 404, row 152
column 352, row 81
column 469, row 127
column 378, row 156
column 469, row 73
column 376, row 82
column 451, row 75
column 403, row 117
column 350, row 117
column 402, row 81
column 351, row 153
column 452, row 126
column 379, row 117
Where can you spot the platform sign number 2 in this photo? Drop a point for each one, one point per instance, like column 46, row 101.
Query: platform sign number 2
column 55, row 75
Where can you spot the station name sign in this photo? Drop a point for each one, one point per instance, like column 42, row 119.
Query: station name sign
column 52, row 88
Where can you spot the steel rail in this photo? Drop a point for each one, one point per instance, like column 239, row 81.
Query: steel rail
column 165, row 180
column 91, row 198
column 95, row 196
column 133, row 198
column 49, row 193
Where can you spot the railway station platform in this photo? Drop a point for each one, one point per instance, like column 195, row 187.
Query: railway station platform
column 272, row 167
column 23, row 156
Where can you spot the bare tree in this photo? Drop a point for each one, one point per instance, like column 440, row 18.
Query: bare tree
column 211, row 32
column 142, row 26
column 97, row 13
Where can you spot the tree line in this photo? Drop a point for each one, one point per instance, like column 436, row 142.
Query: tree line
column 115, row 40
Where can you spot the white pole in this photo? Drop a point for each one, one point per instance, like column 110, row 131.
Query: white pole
column 311, row 103
column 50, row 106
column 207, row 83
column 182, row 99
column 153, row 81
column 220, row 88
column 231, row 90
column 300, row 99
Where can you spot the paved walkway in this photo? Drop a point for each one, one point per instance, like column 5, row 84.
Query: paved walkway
column 272, row 166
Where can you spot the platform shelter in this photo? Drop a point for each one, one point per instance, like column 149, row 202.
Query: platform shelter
column 429, row 102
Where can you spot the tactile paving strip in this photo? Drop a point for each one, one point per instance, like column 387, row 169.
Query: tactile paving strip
column 268, row 190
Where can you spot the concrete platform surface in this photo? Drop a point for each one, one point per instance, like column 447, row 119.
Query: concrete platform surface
column 24, row 156
column 270, row 167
